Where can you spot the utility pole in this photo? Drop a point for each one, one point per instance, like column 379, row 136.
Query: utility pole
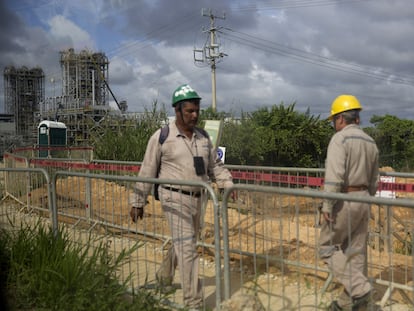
column 211, row 53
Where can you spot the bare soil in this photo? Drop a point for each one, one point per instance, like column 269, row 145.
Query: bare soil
column 276, row 226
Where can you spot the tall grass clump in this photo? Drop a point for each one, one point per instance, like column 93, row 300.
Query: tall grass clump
column 46, row 270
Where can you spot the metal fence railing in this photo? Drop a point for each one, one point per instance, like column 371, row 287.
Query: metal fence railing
column 272, row 244
column 263, row 240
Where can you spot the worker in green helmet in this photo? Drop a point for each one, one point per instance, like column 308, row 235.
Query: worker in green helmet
column 351, row 167
column 185, row 152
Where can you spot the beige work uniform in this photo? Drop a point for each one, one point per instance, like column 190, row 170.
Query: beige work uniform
column 175, row 160
column 352, row 161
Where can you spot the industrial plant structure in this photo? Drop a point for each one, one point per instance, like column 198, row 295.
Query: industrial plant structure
column 82, row 106
column 84, row 102
column 24, row 89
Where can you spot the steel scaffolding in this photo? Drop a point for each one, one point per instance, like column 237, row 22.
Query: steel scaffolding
column 84, row 101
column 24, row 89
column 84, row 76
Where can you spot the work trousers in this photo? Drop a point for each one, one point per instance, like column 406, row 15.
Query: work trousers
column 183, row 215
column 343, row 246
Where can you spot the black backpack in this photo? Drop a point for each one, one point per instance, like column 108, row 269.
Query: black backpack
column 163, row 136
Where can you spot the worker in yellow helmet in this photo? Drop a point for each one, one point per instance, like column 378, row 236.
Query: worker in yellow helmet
column 351, row 167
column 345, row 103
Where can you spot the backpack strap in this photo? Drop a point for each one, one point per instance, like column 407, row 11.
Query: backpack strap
column 203, row 132
column 166, row 130
column 164, row 134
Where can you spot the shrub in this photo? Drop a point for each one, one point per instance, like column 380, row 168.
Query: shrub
column 46, row 270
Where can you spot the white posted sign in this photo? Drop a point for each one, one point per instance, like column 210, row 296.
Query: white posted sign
column 221, row 153
column 386, row 193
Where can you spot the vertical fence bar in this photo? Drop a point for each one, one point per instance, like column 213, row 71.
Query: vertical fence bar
column 385, row 228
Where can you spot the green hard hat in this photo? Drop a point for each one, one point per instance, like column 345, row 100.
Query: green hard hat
column 183, row 92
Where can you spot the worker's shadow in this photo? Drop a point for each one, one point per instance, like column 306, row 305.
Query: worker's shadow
column 210, row 296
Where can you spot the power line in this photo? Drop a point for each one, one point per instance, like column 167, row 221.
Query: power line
column 31, row 6
column 147, row 39
column 291, row 4
column 211, row 52
column 184, row 23
column 263, row 44
column 311, row 58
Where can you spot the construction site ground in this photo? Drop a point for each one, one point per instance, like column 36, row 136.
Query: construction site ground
column 277, row 287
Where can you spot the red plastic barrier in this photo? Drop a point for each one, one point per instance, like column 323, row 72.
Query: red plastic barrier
column 248, row 176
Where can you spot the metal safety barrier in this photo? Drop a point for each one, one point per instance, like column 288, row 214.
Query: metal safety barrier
column 271, row 233
column 97, row 205
column 262, row 240
column 20, row 183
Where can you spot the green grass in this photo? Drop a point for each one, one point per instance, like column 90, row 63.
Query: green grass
column 41, row 270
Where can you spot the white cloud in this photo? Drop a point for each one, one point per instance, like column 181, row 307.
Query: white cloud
column 69, row 34
column 121, row 71
column 272, row 50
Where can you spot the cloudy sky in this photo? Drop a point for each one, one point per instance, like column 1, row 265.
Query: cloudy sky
column 273, row 51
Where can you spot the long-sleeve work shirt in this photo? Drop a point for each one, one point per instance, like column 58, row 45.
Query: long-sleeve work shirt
column 174, row 159
column 352, row 160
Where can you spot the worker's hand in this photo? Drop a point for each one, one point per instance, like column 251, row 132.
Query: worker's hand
column 233, row 195
column 136, row 212
column 328, row 217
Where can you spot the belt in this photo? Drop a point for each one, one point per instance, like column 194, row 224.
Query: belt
column 354, row 188
column 190, row 193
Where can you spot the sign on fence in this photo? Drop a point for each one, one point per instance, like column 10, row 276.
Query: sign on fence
column 383, row 192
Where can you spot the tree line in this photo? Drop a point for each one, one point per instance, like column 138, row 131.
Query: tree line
column 273, row 136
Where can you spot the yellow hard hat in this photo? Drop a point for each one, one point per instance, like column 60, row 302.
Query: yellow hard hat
column 344, row 103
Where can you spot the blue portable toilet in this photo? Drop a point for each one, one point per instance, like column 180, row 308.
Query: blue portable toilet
column 51, row 134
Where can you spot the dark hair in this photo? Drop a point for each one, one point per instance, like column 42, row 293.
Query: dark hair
column 351, row 116
column 180, row 104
